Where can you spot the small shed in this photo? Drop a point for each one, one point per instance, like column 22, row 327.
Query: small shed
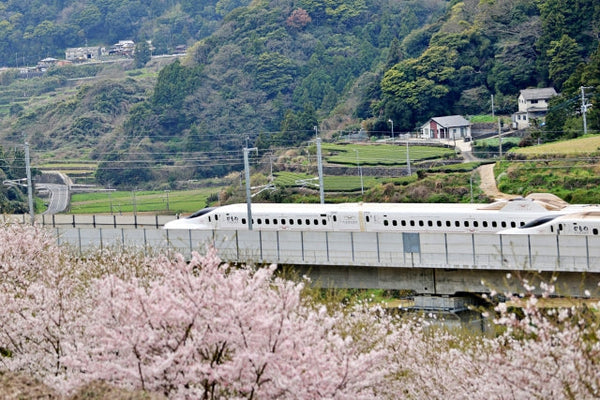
column 448, row 127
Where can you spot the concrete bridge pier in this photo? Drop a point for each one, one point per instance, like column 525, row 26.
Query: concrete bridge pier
column 437, row 281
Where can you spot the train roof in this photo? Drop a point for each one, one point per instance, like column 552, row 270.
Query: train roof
column 515, row 205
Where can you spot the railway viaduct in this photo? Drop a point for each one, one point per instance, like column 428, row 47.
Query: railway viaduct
column 436, row 264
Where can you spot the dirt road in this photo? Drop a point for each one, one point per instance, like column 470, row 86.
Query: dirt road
column 488, row 183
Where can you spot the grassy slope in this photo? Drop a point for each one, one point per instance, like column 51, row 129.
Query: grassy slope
column 584, row 145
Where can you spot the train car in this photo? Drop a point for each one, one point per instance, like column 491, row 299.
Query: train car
column 576, row 223
column 375, row 217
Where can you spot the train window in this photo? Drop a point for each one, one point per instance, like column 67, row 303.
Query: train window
column 274, row 221
column 403, row 223
column 334, row 218
column 513, row 224
column 485, row 224
column 324, row 221
column 260, row 221
column 209, row 219
column 394, row 223
column 244, row 221
column 521, row 223
column 412, row 223
column 316, row 221
column 595, row 231
column 560, row 227
column 475, row 224
column 448, row 223
column 368, row 218
column 385, row 222
column 429, row 223
column 494, row 224
column 439, row 223
column 307, row 221
column 466, row 224
column 216, row 217
column 503, row 224
column 457, row 223
column 299, row 221
column 291, row 221
column 421, row 223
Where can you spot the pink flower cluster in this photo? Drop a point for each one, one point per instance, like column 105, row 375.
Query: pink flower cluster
column 203, row 329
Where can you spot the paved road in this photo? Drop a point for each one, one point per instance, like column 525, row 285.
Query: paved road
column 58, row 199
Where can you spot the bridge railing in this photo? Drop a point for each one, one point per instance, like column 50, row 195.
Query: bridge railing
column 91, row 220
column 365, row 249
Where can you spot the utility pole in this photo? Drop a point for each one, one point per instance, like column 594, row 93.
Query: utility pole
column 29, row 184
column 392, row 122
column 248, row 195
column 492, row 106
column 499, row 138
column 584, row 107
column 320, row 168
column 319, row 165
column 362, row 187
column 408, row 155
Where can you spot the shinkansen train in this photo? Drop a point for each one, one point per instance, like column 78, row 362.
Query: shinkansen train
column 575, row 223
column 381, row 217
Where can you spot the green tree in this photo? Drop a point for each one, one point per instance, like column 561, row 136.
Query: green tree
column 564, row 58
column 142, row 54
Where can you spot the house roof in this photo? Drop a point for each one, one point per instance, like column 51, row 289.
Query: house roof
column 451, row 120
column 538, row 93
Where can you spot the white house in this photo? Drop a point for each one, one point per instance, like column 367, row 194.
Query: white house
column 533, row 103
column 449, row 127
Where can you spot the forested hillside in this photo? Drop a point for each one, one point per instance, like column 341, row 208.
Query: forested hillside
column 33, row 29
column 266, row 73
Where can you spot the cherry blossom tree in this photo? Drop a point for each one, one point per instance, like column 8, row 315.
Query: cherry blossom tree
column 202, row 329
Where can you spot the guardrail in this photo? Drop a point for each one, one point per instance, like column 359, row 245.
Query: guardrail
column 93, row 220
